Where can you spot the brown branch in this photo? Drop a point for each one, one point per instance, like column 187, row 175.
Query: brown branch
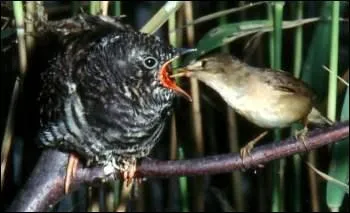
column 45, row 186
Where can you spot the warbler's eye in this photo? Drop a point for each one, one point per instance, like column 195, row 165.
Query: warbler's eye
column 204, row 62
column 150, row 62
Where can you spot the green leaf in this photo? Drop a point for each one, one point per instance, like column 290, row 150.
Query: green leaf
column 318, row 52
column 333, row 63
column 222, row 13
column 345, row 110
column 227, row 33
column 339, row 166
column 183, row 184
column 94, row 7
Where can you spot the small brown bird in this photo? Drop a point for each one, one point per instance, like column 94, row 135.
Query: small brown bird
column 266, row 97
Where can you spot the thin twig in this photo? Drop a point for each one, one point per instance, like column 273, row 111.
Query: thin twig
column 314, row 190
column 329, row 178
column 198, row 192
column 9, row 128
column 339, row 78
column 173, row 138
column 161, row 16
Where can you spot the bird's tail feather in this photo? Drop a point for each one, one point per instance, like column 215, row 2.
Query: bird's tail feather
column 316, row 117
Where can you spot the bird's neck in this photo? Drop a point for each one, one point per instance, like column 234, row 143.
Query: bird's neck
column 230, row 87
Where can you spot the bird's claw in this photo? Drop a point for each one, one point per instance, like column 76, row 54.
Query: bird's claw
column 245, row 151
column 300, row 135
column 128, row 170
column 126, row 167
column 129, row 174
column 73, row 162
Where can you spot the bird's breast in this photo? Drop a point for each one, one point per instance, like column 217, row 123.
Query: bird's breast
column 264, row 106
column 274, row 110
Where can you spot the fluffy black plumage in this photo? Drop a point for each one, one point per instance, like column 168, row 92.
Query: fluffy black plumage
column 100, row 95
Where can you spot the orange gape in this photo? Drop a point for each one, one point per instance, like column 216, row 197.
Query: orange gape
column 169, row 83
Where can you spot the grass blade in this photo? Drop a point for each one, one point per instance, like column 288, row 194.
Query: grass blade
column 298, row 53
column 30, row 9
column 94, row 7
column 271, row 37
column 117, row 8
column 339, row 166
column 173, row 182
column 312, row 76
column 227, row 33
column 318, row 53
column 236, row 177
column 161, row 16
column 9, row 129
column 279, row 166
column 312, row 69
column 278, row 23
column 198, row 184
column 298, row 57
column 183, row 186
column 104, row 7
column 219, row 14
column 332, row 90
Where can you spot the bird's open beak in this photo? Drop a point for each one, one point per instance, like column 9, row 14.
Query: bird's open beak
column 164, row 78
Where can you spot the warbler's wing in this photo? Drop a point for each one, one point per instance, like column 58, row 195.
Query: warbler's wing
column 284, row 81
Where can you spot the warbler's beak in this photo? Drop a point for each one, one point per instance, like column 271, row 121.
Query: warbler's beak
column 181, row 72
column 188, row 70
column 180, row 52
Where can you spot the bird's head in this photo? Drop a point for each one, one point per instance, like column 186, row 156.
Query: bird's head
column 214, row 64
column 143, row 62
column 133, row 64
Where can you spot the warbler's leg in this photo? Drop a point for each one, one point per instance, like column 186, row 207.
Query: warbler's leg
column 245, row 151
column 301, row 134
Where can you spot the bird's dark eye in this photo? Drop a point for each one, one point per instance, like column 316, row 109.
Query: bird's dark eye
column 150, row 62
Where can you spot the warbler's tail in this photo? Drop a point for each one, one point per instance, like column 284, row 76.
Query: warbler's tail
column 316, row 117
